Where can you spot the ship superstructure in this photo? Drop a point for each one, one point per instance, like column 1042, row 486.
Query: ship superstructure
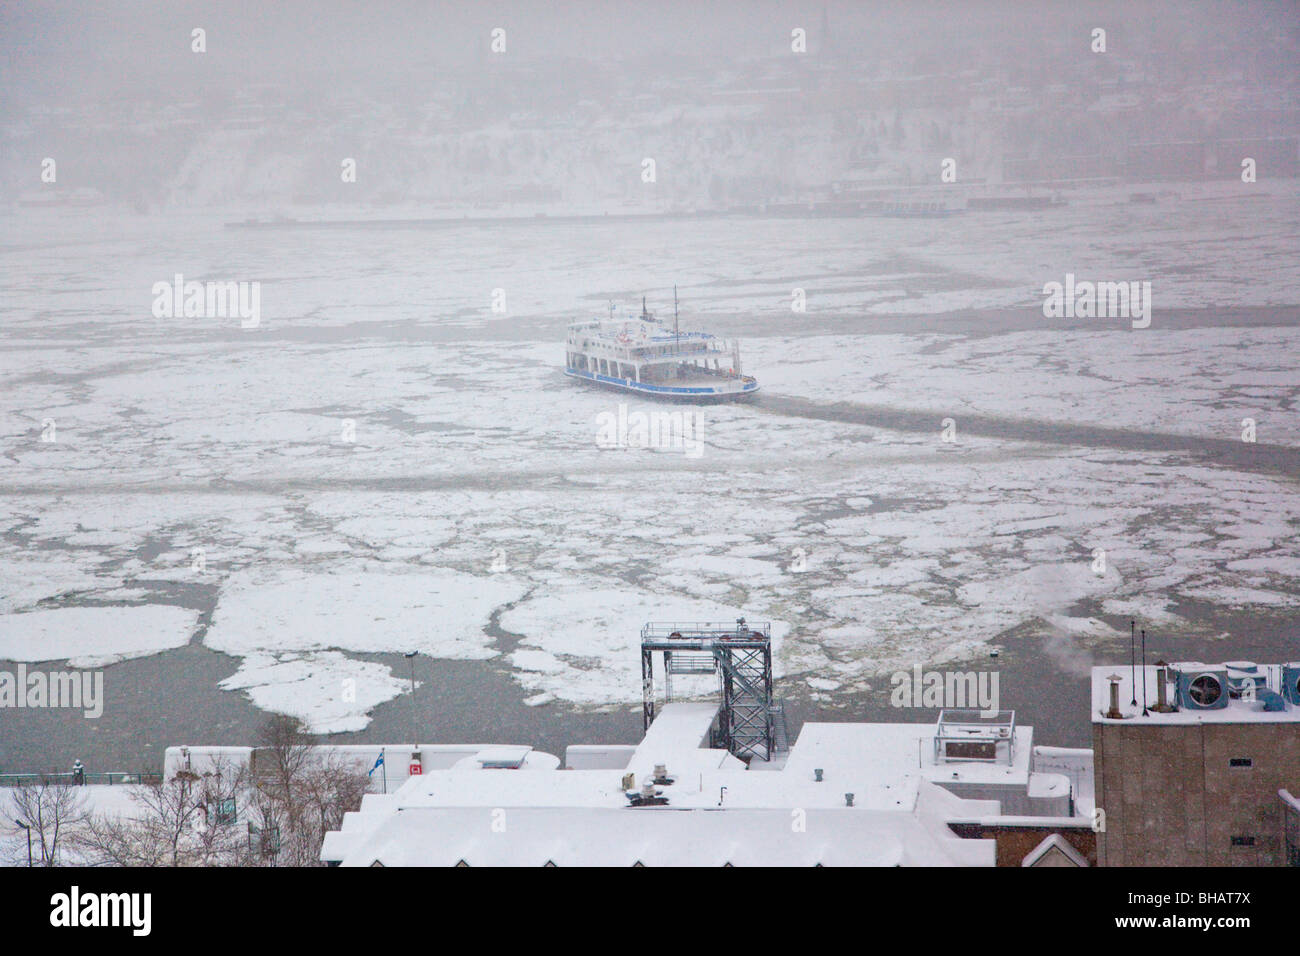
column 642, row 356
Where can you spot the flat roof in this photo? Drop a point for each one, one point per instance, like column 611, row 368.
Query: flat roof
column 657, row 837
column 898, row 814
column 1237, row 711
column 891, row 751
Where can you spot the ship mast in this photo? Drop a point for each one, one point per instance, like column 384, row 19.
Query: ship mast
column 675, row 336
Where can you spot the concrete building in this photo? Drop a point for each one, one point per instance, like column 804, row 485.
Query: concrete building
column 1195, row 772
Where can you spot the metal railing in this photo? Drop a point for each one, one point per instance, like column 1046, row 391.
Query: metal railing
column 662, row 630
column 100, row 778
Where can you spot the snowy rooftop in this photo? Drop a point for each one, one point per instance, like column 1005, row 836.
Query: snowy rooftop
column 568, row 836
column 885, row 751
column 876, row 804
column 1236, row 710
column 678, row 739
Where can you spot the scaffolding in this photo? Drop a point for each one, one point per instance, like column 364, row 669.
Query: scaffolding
column 750, row 722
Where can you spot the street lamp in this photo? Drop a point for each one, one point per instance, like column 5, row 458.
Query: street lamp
column 29, row 840
column 410, row 658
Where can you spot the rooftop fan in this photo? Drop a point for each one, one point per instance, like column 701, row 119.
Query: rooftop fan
column 1291, row 683
column 1203, row 688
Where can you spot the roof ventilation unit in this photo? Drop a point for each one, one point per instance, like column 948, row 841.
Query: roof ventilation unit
column 1291, row 683
column 1241, row 673
column 1202, row 686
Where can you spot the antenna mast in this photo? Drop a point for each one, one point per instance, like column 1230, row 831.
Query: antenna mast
column 675, row 336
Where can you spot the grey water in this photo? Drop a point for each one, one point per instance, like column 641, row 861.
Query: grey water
column 172, row 698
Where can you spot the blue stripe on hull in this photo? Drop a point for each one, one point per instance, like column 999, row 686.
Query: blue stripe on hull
column 678, row 392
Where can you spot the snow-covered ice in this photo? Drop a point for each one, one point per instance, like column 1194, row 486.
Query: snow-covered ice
column 385, row 465
column 94, row 636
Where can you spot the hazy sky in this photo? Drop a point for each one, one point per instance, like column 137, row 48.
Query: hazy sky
column 69, row 48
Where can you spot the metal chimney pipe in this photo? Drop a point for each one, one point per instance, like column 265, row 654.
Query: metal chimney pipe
column 1114, row 712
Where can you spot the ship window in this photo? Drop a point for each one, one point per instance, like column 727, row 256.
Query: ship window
column 1240, row 762
column 1243, row 841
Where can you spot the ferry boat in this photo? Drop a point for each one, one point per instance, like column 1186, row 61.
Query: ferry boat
column 642, row 356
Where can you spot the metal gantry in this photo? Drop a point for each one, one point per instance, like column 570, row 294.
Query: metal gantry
column 750, row 722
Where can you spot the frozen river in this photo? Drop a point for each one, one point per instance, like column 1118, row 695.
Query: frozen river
column 234, row 521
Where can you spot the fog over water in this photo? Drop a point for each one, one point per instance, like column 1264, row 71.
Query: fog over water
column 236, row 514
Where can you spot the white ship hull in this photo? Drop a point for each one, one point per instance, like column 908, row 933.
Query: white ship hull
column 725, row 390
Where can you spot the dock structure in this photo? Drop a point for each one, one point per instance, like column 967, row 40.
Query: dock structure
column 750, row 722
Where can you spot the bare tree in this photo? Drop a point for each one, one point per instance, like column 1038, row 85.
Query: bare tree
column 53, row 811
column 162, row 832
column 298, row 794
column 224, row 801
column 111, row 840
column 275, row 812
column 284, row 750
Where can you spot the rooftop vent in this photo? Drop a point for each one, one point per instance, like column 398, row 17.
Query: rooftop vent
column 1291, row 683
column 1201, row 686
column 1241, row 674
column 1114, row 713
column 965, row 734
column 647, row 796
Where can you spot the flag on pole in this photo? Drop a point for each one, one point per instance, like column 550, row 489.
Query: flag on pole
column 378, row 763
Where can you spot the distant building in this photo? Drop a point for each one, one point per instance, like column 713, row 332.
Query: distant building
column 1193, row 773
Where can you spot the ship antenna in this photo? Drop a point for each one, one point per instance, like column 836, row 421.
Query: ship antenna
column 611, row 310
column 675, row 313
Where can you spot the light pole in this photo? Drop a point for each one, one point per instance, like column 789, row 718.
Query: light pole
column 410, row 658
column 29, row 840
